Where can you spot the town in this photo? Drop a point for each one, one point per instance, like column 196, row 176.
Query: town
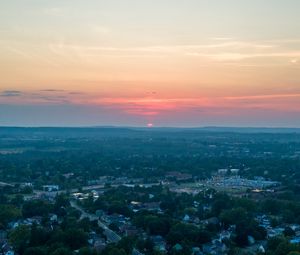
column 63, row 199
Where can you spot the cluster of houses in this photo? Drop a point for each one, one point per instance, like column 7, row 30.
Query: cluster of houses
column 265, row 222
column 5, row 248
column 50, row 188
column 96, row 241
column 149, row 206
column 239, row 182
column 126, row 228
column 82, row 196
column 178, row 176
column 102, row 180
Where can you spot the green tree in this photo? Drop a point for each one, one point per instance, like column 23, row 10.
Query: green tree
column 61, row 251
column 75, row 238
column 19, row 238
column 285, row 247
column 87, row 251
column 274, row 242
column 8, row 213
column 38, row 236
column 36, row 251
column 126, row 244
column 234, row 216
column 188, row 233
column 36, row 208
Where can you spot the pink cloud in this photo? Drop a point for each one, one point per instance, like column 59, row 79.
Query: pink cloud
column 154, row 106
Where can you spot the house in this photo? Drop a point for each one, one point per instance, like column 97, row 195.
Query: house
column 3, row 239
column 95, row 194
column 222, row 171
column 53, row 217
column 261, row 249
column 10, row 253
column 224, row 235
column 99, row 244
column 212, row 220
column 218, row 247
column 234, row 171
column 152, row 206
column 272, row 232
column 135, row 206
column 251, row 240
column 195, row 220
column 295, row 227
column 196, row 204
column 68, row 175
column 48, row 196
column 177, row 247
column 13, row 224
column 31, row 197
column 117, row 219
column 129, row 230
column 33, row 220
column 91, row 237
column 7, row 249
column 295, row 240
column 159, row 243
column 50, row 188
column 186, row 218
column 196, row 251
column 179, row 176
column 26, row 184
column 207, row 248
column 151, row 196
column 191, row 219
column 80, row 195
column 206, row 207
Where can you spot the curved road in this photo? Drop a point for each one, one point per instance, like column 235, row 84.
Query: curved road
column 112, row 236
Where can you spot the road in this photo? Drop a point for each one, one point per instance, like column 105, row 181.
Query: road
column 112, row 236
column 102, row 186
column 5, row 184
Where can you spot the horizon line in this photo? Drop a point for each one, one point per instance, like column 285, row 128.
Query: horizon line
column 152, row 127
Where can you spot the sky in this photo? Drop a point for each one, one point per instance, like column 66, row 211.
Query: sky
column 184, row 63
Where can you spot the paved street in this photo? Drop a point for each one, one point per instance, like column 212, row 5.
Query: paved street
column 112, row 236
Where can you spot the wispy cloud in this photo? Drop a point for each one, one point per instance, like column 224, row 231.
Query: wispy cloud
column 29, row 54
column 231, row 56
column 156, row 106
column 10, row 93
column 216, row 50
column 35, row 97
column 262, row 97
column 153, row 104
column 180, row 48
column 52, row 90
column 222, row 50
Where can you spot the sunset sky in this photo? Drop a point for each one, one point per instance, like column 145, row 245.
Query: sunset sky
column 134, row 62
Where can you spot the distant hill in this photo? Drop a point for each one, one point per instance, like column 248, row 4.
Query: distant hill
column 251, row 129
column 133, row 131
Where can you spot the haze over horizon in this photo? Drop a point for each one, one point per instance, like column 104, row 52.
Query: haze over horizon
column 138, row 62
